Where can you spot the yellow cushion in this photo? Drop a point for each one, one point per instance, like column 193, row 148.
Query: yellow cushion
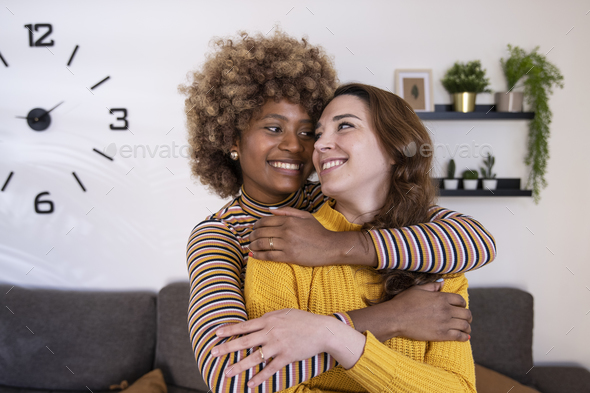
column 490, row 381
column 152, row 382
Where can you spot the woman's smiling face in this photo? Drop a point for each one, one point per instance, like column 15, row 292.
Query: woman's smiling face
column 348, row 156
column 275, row 151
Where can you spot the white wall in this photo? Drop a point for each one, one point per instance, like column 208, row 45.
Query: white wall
column 135, row 234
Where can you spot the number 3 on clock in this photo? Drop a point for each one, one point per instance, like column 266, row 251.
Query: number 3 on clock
column 123, row 118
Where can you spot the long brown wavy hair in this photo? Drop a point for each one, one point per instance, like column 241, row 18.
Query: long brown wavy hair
column 411, row 191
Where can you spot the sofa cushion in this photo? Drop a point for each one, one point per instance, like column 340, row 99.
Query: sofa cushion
column 174, row 354
column 502, row 331
column 69, row 340
column 552, row 379
column 489, row 381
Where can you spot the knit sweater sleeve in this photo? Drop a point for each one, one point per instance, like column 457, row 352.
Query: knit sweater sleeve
column 451, row 242
column 448, row 366
column 215, row 264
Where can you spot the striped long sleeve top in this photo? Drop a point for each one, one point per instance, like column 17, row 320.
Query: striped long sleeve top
column 217, row 255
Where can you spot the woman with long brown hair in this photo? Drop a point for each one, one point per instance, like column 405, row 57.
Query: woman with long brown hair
column 361, row 156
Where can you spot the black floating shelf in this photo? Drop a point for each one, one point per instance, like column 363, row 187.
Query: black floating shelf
column 482, row 112
column 507, row 187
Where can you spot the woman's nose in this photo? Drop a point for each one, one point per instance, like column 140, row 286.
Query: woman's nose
column 324, row 143
column 290, row 142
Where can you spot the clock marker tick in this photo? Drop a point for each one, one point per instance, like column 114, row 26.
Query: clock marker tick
column 79, row 182
column 102, row 154
column 3, row 61
column 99, row 83
column 7, row 180
column 73, row 54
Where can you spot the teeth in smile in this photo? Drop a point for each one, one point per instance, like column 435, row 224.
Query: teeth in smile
column 285, row 165
column 331, row 164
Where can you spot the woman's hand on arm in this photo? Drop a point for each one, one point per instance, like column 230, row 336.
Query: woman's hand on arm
column 286, row 336
column 420, row 313
column 310, row 244
column 300, row 239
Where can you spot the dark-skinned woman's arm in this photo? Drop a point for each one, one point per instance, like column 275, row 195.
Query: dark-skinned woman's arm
column 450, row 243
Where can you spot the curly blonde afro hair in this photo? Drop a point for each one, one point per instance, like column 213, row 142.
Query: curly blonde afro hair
column 234, row 83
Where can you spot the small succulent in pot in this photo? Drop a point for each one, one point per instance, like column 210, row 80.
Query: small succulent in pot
column 450, row 182
column 489, row 178
column 470, row 179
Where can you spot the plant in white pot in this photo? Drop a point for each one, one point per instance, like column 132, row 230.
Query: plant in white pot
column 489, row 179
column 538, row 78
column 464, row 81
column 470, row 179
column 450, row 182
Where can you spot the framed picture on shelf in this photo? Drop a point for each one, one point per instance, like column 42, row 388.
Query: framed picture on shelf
column 415, row 86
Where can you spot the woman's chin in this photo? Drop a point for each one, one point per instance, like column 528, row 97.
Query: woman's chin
column 288, row 185
column 331, row 189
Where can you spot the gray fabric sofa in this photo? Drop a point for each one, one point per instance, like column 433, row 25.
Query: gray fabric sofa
column 74, row 341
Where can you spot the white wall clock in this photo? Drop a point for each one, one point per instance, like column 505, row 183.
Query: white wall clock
column 37, row 111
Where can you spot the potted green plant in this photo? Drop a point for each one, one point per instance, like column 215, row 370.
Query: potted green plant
column 489, row 179
column 538, row 79
column 470, row 179
column 450, row 182
column 464, row 81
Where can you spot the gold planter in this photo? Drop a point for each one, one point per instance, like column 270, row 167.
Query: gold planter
column 464, row 102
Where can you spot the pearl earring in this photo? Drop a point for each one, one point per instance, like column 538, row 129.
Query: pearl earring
column 234, row 155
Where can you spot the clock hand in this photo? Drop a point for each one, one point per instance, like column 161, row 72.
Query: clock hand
column 36, row 118
column 52, row 109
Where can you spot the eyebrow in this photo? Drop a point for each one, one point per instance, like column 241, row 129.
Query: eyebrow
column 339, row 117
column 283, row 118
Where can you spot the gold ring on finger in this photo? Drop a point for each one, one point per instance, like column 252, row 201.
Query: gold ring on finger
column 271, row 244
column 261, row 355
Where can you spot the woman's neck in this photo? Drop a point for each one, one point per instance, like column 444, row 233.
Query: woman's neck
column 360, row 207
column 263, row 197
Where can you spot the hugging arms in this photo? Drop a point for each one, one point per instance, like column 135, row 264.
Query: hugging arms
column 251, row 114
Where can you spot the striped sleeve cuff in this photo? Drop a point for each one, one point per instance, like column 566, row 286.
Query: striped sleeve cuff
column 344, row 318
column 382, row 250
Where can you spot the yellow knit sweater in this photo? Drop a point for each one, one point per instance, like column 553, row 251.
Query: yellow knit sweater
column 399, row 364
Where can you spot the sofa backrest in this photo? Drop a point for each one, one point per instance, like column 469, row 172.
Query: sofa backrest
column 78, row 339
column 70, row 340
column 502, row 331
column 174, row 353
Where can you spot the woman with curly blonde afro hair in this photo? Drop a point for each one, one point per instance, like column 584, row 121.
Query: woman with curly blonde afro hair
column 251, row 111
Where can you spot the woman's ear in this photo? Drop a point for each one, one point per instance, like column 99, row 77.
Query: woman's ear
column 236, row 146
